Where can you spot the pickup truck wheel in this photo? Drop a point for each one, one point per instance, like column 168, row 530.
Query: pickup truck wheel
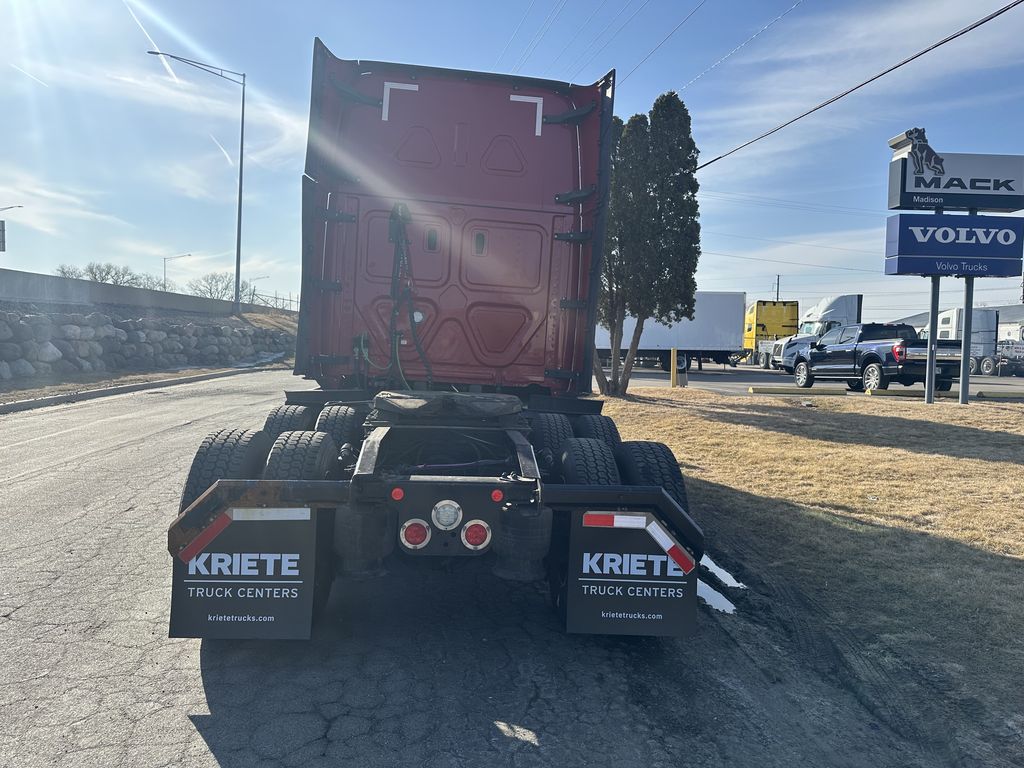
column 308, row 455
column 855, row 385
column 548, row 433
column 341, row 422
column 874, row 378
column 585, row 461
column 766, row 361
column 972, row 366
column 943, row 385
column 988, row 366
column 802, row 375
column 230, row 454
column 642, row 462
column 289, row 418
column 598, row 427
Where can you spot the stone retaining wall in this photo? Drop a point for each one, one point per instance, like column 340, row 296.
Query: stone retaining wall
column 38, row 345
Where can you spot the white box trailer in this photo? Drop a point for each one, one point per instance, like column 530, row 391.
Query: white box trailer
column 715, row 334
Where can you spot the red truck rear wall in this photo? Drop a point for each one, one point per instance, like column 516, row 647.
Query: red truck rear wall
column 479, row 160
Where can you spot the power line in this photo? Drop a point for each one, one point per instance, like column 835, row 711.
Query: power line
column 539, row 35
column 616, row 34
column 791, row 242
column 514, row 32
column 794, row 206
column 848, row 91
column 794, row 263
column 600, row 34
column 664, row 40
column 730, row 53
column 873, row 212
column 575, row 37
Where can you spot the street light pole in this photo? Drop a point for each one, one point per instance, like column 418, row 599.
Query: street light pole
column 171, row 258
column 223, row 73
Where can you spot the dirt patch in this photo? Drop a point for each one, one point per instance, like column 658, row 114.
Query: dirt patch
column 883, row 538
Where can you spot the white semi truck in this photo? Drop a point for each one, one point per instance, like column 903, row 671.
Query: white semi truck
column 715, row 334
column 831, row 312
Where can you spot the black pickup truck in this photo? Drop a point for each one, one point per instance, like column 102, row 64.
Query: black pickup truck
column 871, row 355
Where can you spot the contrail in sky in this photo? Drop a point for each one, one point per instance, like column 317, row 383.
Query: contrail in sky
column 163, row 59
column 221, row 146
column 29, row 74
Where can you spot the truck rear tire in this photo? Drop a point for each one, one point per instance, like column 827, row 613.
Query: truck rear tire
column 972, row 366
column 988, row 366
column 802, row 375
column 598, row 427
column 765, row 361
column 289, row 418
column 341, row 422
column 548, row 433
column 585, row 461
column 874, row 377
column 301, row 455
column 642, row 462
column 230, row 454
column 307, row 455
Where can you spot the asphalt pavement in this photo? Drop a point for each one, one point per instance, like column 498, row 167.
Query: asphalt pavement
column 442, row 666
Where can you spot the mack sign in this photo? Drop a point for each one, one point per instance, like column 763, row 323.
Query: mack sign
column 967, row 246
column 922, row 179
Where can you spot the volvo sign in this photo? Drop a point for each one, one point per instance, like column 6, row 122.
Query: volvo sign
column 968, row 246
column 922, row 179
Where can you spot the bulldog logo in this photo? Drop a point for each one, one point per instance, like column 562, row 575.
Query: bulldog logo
column 923, row 155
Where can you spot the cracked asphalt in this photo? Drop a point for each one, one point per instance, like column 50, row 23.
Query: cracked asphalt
column 430, row 666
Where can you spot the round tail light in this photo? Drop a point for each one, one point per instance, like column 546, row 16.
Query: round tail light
column 397, row 494
column 476, row 534
column 415, row 534
column 497, row 496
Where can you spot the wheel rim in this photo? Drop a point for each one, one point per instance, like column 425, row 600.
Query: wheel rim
column 801, row 374
column 871, row 377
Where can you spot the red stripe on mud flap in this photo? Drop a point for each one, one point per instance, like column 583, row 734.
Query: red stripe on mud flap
column 682, row 558
column 597, row 520
column 200, row 542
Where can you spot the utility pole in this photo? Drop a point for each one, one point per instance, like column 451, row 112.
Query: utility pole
column 778, row 284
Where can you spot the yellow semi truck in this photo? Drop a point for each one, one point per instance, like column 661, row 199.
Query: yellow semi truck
column 763, row 324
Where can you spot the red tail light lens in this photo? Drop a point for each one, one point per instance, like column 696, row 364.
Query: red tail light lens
column 397, row 494
column 476, row 534
column 899, row 352
column 415, row 534
column 497, row 496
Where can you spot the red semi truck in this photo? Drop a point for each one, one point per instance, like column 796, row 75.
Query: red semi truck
column 451, row 241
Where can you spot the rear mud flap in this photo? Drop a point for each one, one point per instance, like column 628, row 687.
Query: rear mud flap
column 252, row 574
column 628, row 576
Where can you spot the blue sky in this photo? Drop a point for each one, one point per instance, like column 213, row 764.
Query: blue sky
column 117, row 159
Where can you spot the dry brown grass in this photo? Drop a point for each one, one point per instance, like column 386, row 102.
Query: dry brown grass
column 901, row 522
column 275, row 321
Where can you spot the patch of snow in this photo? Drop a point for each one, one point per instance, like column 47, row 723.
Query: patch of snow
column 723, row 575
column 714, row 598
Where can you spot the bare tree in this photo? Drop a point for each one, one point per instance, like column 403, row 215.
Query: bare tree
column 216, row 285
column 68, row 270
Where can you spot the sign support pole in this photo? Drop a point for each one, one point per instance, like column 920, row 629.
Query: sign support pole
column 965, row 343
column 933, row 332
